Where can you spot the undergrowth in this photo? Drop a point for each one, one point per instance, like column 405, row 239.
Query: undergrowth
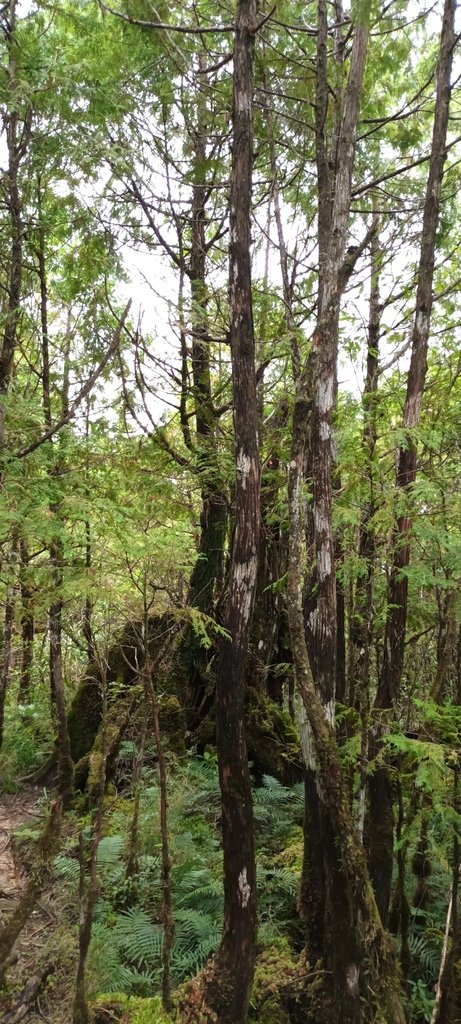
column 126, row 949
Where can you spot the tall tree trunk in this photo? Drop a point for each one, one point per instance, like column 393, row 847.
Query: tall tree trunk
column 17, row 140
column 229, row 990
column 359, row 939
column 381, row 809
column 360, row 631
column 7, row 644
column 213, row 518
column 208, row 569
column 327, row 906
column 65, row 763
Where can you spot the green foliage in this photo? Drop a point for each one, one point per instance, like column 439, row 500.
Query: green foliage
column 126, row 947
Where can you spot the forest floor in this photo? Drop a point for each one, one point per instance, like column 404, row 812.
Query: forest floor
column 21, row 818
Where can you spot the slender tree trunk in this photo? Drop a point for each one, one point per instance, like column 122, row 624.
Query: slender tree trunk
column 228, row 991
column 136, row 785
column 17, row 140
column 167, row 910
column 89, row 895
column 381, row 800
column 7, row 645
column 27, row 626
column 65, row 764
column 407, row 459
column 207, row 573
column 271, row 567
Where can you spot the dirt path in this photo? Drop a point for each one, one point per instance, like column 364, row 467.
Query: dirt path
column 15, row 810
column 23, row 808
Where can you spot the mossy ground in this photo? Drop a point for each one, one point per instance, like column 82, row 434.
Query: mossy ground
column 129, row 1010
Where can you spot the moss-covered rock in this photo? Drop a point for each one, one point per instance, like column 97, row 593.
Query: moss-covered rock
column 122, row 675
column 275, row 969
column 272, row 739
column 173, row 723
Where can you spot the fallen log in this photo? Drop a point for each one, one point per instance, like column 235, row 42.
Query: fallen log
column 27, row 996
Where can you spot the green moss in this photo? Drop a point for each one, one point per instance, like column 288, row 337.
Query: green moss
column 273, row 742
column 84, row 717
column 275, row 968
column 292, row 855
column 129, row 1010
column 173, row 723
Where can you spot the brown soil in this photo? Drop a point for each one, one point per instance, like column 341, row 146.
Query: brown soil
column 30, row 954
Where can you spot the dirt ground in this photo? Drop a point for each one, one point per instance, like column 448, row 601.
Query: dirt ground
column 25, row 809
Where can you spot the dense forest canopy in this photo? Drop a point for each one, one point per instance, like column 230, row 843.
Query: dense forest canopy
column 230, row 507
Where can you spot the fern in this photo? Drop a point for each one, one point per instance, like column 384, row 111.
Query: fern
column 68, row 869
column 110, row 850
column 425, row 952
column 138, row 937
column 126, row 952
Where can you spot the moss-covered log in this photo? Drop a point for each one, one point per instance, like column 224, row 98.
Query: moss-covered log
column 272, row 738
column 124, row 661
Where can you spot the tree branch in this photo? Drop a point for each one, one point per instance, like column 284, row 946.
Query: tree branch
column 184, row 29
column 84, row 391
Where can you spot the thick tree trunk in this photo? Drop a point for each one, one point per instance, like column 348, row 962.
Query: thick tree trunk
column 381, row 810
column 213, row 519
column 358, row 953
column 228, row 991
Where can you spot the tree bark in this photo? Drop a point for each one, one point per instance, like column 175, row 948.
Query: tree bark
column 27, row 626
column 381, row 809
column 228, row 991
column 65, row 763
column 7, row 644
column 17, row 141
column 326, row 905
